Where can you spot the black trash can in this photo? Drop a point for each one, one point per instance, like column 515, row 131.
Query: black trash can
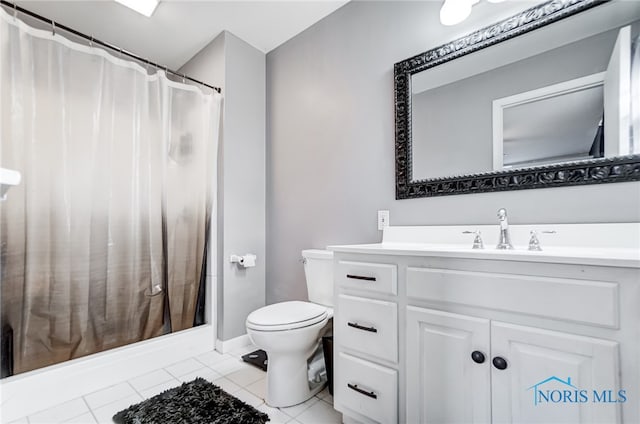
column 327, row 349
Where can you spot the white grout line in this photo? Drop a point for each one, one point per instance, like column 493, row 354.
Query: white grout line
column 90, row 410
column 134, row 389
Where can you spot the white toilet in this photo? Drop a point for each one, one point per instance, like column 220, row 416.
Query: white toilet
column 290, row 332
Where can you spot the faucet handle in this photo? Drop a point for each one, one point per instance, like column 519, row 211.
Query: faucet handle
column 534, row 242
column 477, row 240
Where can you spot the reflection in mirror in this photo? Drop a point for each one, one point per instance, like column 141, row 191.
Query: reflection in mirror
column 551, row 89
column 529, row 131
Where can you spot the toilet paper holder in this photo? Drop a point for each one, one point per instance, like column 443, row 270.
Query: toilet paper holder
column 246, row 261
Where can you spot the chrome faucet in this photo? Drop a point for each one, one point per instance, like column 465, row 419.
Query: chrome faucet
column 534, row 242
column 477, row 240
column 505, row 239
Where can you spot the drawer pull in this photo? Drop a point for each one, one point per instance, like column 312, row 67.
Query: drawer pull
column 355, row 387
column 361, row 277
column 360, row 327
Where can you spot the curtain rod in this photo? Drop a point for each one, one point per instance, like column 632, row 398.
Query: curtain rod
column 93, row 40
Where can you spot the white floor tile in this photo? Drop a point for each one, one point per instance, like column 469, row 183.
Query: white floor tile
column 243, row 350
column 275, row 415
column 183, row 367
column 228, row 366
column 105, row 413
column 258, row 388
column 22, row 420
column 324, row 394
column 227, row 371
column 246, row 376
column 151, row 379
column 227, row 385
column 156, row 390
column 82, row 419
column 248, row 397
column 328, row 399
column 294, row 411
column 320, row 413
column 59, row 413
column 108, row 395
column 204, row 372
column 212, row 357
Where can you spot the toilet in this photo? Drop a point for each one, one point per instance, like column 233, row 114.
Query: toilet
column 290, row 333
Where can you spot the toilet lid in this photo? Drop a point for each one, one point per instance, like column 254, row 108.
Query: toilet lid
column 286, row 316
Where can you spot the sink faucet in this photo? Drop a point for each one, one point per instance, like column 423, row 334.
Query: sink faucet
column 505, row 239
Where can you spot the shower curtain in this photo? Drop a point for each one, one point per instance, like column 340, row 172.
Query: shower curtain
column 102, row 244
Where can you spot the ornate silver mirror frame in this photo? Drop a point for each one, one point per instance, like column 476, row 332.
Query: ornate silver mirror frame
column 595, row 171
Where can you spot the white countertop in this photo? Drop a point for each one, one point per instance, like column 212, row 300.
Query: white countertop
column 627, row 258
column 614, row 245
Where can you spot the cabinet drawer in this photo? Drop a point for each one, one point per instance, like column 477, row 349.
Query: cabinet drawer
column 367, row 388
column 583, row 301
column 373, row 277
column 368, row 326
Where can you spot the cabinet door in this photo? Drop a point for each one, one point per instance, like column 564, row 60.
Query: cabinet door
column 553, row 377
column 444, row 383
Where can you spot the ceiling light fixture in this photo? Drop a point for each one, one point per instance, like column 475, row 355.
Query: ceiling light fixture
column 144, row 7
column 455, row 11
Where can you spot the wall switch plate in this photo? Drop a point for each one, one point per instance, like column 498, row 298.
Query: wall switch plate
column 383, row 220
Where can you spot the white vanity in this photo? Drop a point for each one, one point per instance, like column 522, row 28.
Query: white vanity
column 429, row 330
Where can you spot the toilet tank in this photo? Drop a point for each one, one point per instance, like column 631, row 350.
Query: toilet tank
column 318, row 270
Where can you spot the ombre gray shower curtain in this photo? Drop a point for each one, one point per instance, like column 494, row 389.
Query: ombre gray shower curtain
column 102, row 244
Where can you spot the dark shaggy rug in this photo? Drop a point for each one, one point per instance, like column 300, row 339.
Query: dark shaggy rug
column 196, row 402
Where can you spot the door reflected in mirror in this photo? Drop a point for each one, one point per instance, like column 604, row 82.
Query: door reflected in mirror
column 555, row 124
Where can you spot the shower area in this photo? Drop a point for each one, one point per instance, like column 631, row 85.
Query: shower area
column 103, row 243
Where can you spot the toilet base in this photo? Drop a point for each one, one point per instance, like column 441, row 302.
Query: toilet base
column 291, row 385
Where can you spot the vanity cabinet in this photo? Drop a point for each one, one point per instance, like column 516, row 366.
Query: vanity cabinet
column 366, row 355
column 449, row 340
column 445, row 385
column 473, row 370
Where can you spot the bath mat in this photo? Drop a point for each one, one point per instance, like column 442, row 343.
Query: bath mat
column 257, row 358
column 195, row 402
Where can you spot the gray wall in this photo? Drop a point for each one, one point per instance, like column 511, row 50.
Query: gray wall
column 330, row 144
column 240, row 70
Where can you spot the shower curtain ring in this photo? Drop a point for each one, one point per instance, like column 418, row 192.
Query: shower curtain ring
column 53, row 27
column 91, row 42
column 120, row 52
column 184, row 79
column 15, row 11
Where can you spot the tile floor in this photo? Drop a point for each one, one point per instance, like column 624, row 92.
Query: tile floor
column 225, row 370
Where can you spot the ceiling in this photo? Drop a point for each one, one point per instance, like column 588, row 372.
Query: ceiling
column 179, row 29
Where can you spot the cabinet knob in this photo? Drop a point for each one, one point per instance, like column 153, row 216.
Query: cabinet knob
column 477, row 356
column 500, row 363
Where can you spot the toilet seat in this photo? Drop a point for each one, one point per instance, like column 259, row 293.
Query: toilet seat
column 286, row 316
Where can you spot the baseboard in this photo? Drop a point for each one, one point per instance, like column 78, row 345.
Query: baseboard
column 225, row 346
column 30, row 392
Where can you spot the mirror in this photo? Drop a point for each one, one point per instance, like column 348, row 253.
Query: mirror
column 533, row 101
